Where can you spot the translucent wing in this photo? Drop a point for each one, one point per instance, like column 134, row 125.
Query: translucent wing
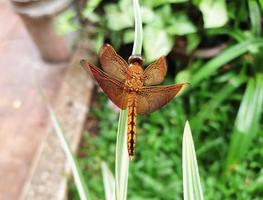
column 112, row 63
column 155, row 72
column 153, row 97
column 113, row 88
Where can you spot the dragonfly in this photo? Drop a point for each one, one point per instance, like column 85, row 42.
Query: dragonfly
column 131, row 87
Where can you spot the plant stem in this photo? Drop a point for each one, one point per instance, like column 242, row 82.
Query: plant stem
column 122, row 158
column 137, row 45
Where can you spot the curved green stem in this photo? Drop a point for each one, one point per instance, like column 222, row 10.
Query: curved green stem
column 122, row 157
column 137, row 45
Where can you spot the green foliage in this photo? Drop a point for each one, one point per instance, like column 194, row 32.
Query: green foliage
column 191, row 180
column 122, row 158
column 79, row 180
column 108, row 181
column 214, row 13
column 216, row 46
column 247, row 121
column 156, row 169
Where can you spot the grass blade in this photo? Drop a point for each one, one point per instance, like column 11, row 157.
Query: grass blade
column 79, row 180
column 247, row 122
column 223, row 58
column 191, row 180
column 108, row 181
column 255, row 17
column 76, row 171
column 138, row 36
column 214, row 103
column 122, row 158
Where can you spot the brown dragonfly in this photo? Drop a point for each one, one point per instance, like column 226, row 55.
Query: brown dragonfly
column 129, row 86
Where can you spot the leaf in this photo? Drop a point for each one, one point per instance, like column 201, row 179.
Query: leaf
column 108, row 181
column 247, row 122
column 89, row 13
column 78, row 176
column 261, row 4
column 215, row 102
column 122, row 158
column 91, row 6
column 193, row 40
column 214, row 13
column 65, row 23
column 226, row 56
column 191, row 180
column 180, row 25
column 97, row 42
column 235, row 33
column 148, row 14
column 113, row 13
column 255, row 17
column 156, row 43
column 74, row 165
column 128, row 36
column 156, row 3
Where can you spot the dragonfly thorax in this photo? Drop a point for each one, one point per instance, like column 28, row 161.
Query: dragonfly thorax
column 133, row 84
column 135, row 74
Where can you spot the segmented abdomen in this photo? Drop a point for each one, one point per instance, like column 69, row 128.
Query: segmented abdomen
column 131, row 133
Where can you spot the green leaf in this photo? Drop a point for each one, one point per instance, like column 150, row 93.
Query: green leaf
column 108, row 181
column 247, row 122
column 122, row 158
column 156, row 43
column 214, row 13
column 128, row 36
column 91, row 6
column 183, row 76
column 155, row 3
column 215, row 102
column 261, row 4
column 148, row 14
column 73, row 162
column 118, row 19
column 237, row 34
column 226, row 56
column 180, row 25
column 191, row 180
column 255, row 17
column 196, row 2
column 193, row 40
column 65, row 24
column 89, row 13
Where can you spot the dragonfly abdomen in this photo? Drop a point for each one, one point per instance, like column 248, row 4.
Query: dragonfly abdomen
column 131, row 133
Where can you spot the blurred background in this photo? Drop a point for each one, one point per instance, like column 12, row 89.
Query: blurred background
column 216, row 46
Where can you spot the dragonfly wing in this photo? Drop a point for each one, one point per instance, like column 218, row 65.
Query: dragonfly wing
column 154, row 74
column 112, row 63
column 153, row 97
column 113, row 88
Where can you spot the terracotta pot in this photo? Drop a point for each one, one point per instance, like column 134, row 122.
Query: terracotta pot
column 37, row 16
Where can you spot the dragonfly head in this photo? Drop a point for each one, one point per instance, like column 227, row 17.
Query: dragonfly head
column 135, row 59
column 135, row 66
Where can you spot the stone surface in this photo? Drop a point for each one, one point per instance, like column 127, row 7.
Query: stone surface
column 23, row 117
column 49, row 174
